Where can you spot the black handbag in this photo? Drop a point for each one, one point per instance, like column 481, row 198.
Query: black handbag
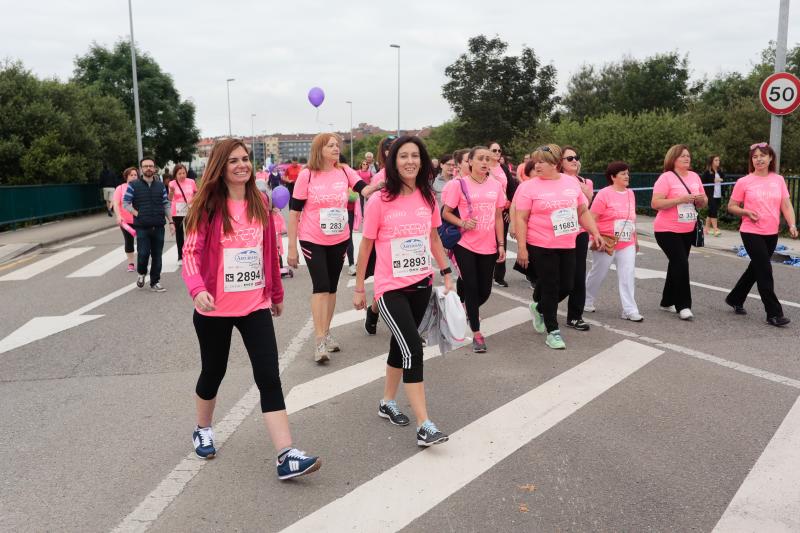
column 699, row 234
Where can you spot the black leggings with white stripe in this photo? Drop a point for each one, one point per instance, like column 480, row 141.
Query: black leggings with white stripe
column 402, row 310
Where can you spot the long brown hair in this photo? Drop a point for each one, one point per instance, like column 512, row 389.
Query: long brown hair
column 213, row 194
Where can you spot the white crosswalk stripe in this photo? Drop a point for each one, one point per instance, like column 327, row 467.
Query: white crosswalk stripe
column 101, row 265
column 45, row 264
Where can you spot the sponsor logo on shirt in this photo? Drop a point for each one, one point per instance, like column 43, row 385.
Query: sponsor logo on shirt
column 338, row 185
column 491, row 194
column 247, row 257
column 422, row 212
column 413, row 245
column 242, row 234
column 328, row 199
column 558, row 204
column 391, row 215
column 571, row 192
column 400, row 230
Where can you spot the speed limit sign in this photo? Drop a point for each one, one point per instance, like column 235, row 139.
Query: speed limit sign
column 780, row 93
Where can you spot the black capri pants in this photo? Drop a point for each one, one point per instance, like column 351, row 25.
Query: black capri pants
column 128, row 241
column 324, row 264
column 402, row 310
column 555, row 274
column 258, row 334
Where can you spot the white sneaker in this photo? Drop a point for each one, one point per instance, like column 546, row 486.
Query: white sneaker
column 321, row 353
column 668, row 308
column 589, row 308
column 633, row 317
column 180, row 262
column 352, row 270
column 686, row 314
column 330, row 343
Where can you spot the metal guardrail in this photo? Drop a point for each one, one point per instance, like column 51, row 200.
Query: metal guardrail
column 29, row 203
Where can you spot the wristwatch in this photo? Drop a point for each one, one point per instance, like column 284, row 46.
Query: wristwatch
column 447, row 270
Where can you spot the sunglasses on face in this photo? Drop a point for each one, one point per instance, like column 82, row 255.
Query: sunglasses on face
column 496, row 150
column 758, row 145
column 572, row 158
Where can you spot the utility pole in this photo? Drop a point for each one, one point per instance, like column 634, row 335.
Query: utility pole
column 776, row 121
column 135, row 88
column 228, row 84
column 398, row 86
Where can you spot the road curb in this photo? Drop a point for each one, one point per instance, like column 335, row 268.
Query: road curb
column 12, row 251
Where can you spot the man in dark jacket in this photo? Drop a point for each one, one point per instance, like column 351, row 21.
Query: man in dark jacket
column 146, row 199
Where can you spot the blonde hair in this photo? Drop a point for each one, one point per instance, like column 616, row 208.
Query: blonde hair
column 547, row 153
column 315, row 160
column 673, row 154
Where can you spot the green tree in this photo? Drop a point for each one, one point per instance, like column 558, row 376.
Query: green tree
column 495, row 96
column 168, row 124
column 54, row 132
column 443, row 139
column 368, row 143
column 660, row 82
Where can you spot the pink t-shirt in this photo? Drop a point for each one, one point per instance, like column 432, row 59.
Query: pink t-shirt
column 669, row 185
column 180, row 205
column 553, row 206
column 486, row 198
column 498, row 174
column 124, row 214
column 240, row 273
column 762, row 194
column 591, row 188
column 401, row 230
column 365, row 175
column 616, row 212
column 324, row 216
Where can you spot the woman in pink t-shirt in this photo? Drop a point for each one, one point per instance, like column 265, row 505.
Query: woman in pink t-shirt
column 125, row 217
column 231, row 272
column 320, row 195
column 760, row 198
column 677, row 194
column 614, row 210
column 571, row 165
column 480, row 216
column 552, row 208
column 181, row 192
column 496, row 169
column 400, row 224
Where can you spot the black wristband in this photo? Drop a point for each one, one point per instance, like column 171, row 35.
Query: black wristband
column 447, row 270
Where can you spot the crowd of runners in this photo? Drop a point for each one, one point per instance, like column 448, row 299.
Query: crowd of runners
column 452, row 215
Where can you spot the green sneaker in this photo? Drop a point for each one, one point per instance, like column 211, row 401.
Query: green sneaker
column 554, row 340
column 538, row 320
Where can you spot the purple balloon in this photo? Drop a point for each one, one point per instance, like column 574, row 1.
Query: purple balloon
column 280, row 196
column 316, row 96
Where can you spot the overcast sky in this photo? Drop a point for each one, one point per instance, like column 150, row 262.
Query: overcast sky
column 278, row 50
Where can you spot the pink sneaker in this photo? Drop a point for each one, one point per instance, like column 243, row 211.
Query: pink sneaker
column 131, row 268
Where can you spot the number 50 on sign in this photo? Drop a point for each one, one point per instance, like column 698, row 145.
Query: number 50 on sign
column 780, row 93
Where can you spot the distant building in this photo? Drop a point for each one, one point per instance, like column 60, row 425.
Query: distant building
column 294, row 146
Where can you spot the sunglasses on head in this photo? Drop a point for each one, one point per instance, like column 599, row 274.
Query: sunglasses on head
column 391, row 137
column 572, row 158
column 542, row 149
column 758, row 145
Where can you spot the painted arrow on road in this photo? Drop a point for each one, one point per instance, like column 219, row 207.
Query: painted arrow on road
column 44, row 326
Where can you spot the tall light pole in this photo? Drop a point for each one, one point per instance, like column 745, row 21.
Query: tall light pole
column 776, row 121
column 253, row 135
column 398, row 86
column 352, row 163
column 228, row 84
column 135, row 87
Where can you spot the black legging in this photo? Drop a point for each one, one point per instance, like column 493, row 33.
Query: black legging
column 500, row 268
column 179, row 235
column 676, row 247
column 324, row 264
column 555, row 272
column 577, row 298
column 760, row 249
column 475, row 283
column 214, row 335
column 402, row 310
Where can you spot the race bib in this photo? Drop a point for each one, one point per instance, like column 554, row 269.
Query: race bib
column 332, row 220
column 624, row 230
column 565, row 221
column 243, row 269
column 410, row 255
column 687, row 213
column 181, row 209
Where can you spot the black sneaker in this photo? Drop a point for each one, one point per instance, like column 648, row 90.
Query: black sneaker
column 390, row 410
column 140, row 281
column 578, row 324
column 501, row 282
column 428, row 434
column 778, row 321
column 371, row 322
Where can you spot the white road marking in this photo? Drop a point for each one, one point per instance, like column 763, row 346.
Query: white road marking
column 335, row 383
column 757, row 372
column 84, row 238
column 169, row 259
column 101, row 265
column 50, row 261
column 769, row 498
column 171, row 487
column 751, row 295
column 476, row 448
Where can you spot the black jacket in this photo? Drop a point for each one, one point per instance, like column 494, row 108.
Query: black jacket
column 149, row 200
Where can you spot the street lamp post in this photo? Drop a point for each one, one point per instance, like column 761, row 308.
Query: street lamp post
column 776, row 121
column 135, row 87
column 228, row 85
column 398, row 86
column 352, row 163
column 253, row 136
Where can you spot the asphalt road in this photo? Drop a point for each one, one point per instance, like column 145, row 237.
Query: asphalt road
column 659, row 426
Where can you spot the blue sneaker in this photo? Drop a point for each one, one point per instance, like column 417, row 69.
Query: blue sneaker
column 428, row 434
column 203, row 440
column 538, row 319
column 295, row 463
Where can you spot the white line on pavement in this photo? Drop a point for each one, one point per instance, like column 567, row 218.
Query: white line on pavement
column 84, row 238
column 101, row 265
column 770, row 376
column 171, row 487
column 169, row 259
column 751, row 295
column 769, row 498
column 45, row 264
column 476, row 448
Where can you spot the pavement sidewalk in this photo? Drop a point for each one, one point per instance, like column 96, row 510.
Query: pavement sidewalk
column 18, row 242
